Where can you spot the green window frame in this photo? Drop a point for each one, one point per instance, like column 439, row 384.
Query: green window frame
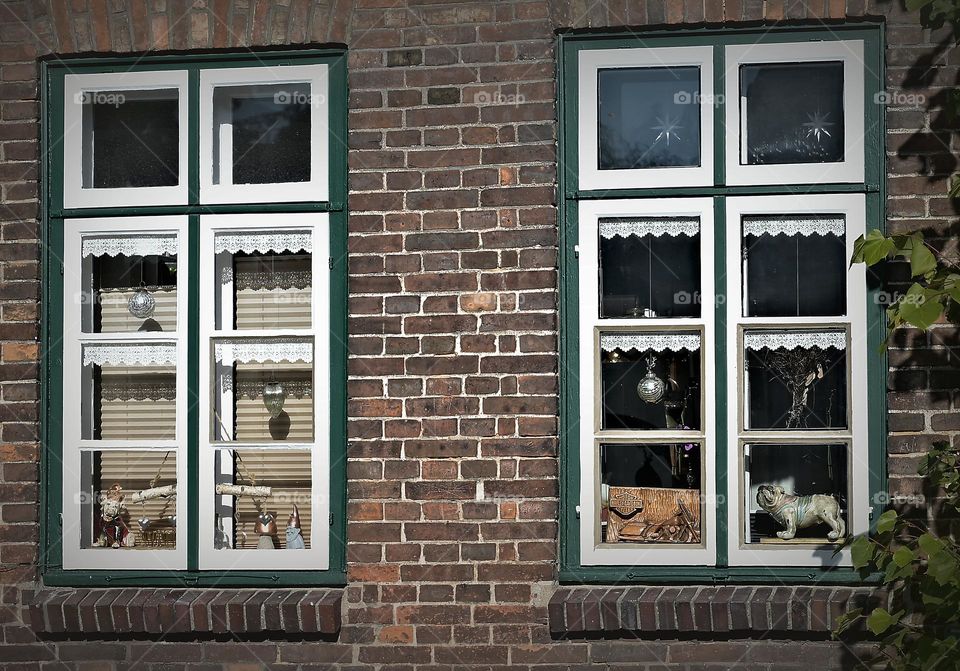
column 53, row 233
column 715, row 189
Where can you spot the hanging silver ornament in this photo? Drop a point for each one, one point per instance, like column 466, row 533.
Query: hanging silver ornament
column 144, row 523
column 651, row 388
column 172, row 520
column 273, row 397
column 142, row 304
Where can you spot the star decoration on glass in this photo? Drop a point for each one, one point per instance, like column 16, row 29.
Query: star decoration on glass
column 817, row 125
column 667, row 128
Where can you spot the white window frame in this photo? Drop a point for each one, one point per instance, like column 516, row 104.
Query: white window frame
column 851, row 169
column 592, row 552
column 591, row 61
column 74, row 556
column 318, row 187
column 317, row 556
column 856, row 435
column 75, row 88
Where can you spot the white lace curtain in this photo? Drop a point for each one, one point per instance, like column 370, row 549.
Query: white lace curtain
column 658, row 342
column 754, row 340
column 260, row 242
column 256, row 350
column 130, row 354
column 795, row 225
column 657, row 226
column 164, row 244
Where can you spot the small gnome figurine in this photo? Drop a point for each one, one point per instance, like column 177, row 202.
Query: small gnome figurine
column 266, row 528
column 294, row 535
column 114, row 530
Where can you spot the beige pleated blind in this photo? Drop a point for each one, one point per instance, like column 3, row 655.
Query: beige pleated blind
column 116, row 318
column 273, row 292
column 287, row 472
column 253, row 422
column 134, row 471
column 137, row 403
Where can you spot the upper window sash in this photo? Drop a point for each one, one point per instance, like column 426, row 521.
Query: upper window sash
column 258, row 123
column 814, row 94
column 629, row 137
column 118, row 149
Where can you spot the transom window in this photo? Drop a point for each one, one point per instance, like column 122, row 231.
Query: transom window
column 196, row 324
column 716, row 345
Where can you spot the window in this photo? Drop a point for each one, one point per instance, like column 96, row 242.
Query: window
column 719, row 366
column 196, row 325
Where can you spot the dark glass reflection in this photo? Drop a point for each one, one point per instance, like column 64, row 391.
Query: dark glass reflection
column 801, row 470
column 656, row 465
column 648, row 117
column 643, row 273
column 135, row 142
column 271, row 139
column 803, row 388
column 793, row 112
column 795, row 275
column 623, row 408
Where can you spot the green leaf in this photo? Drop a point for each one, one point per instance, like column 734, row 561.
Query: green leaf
column 887, row 521
column 930, row 544
column 879, row 621
column 914, row 5
column 918, row 308
column 861, row 552
column 903, row 556
column 876, row 247
column 922, row 260
column 955, row 187
column 846, row 620
column 943, row 568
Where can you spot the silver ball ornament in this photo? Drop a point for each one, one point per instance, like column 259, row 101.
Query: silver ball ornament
column 142, row 304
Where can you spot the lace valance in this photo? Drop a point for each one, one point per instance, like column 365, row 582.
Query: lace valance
column 658, row 342
column 130, row 245
column 138, row 391
column 657, row 226
column 255, row 350
column 794, row 225
column 260, row 242
column 793, row 339
column 130, row 354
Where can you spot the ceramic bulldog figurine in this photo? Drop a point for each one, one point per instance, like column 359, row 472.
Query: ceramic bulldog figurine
column 799, row 512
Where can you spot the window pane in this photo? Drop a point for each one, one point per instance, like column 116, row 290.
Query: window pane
column 650, row 380
column 263, row 499
column 792, row 113
column 130, row 283
column 651, row 493
column 128, row 499
column 796, row 380
column 131, row 138
column 817, row 474
column 264, row 280
column 650, row 267
column 648, row 117
column 129, row 392
column 261, row 134
column 263, row 390
column 794, row 266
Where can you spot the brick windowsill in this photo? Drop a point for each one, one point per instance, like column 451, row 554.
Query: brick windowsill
column 162, row 611
column 579, row 611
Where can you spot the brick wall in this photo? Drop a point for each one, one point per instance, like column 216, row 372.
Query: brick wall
column 453, row 389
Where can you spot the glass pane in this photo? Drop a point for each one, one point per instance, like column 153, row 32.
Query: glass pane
column 263, row 390
column 796, row 493
column 263, row 499
column 261, row 134
column 264, row 280
column 794, row 267
column 796, row 380
column 130, row 284
column 129, row 499
column 650, row 381
column 648, row 117
column 649, row 267
column 129, row 392
column 650, row 493
column 131, row 138
column 792, row 113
